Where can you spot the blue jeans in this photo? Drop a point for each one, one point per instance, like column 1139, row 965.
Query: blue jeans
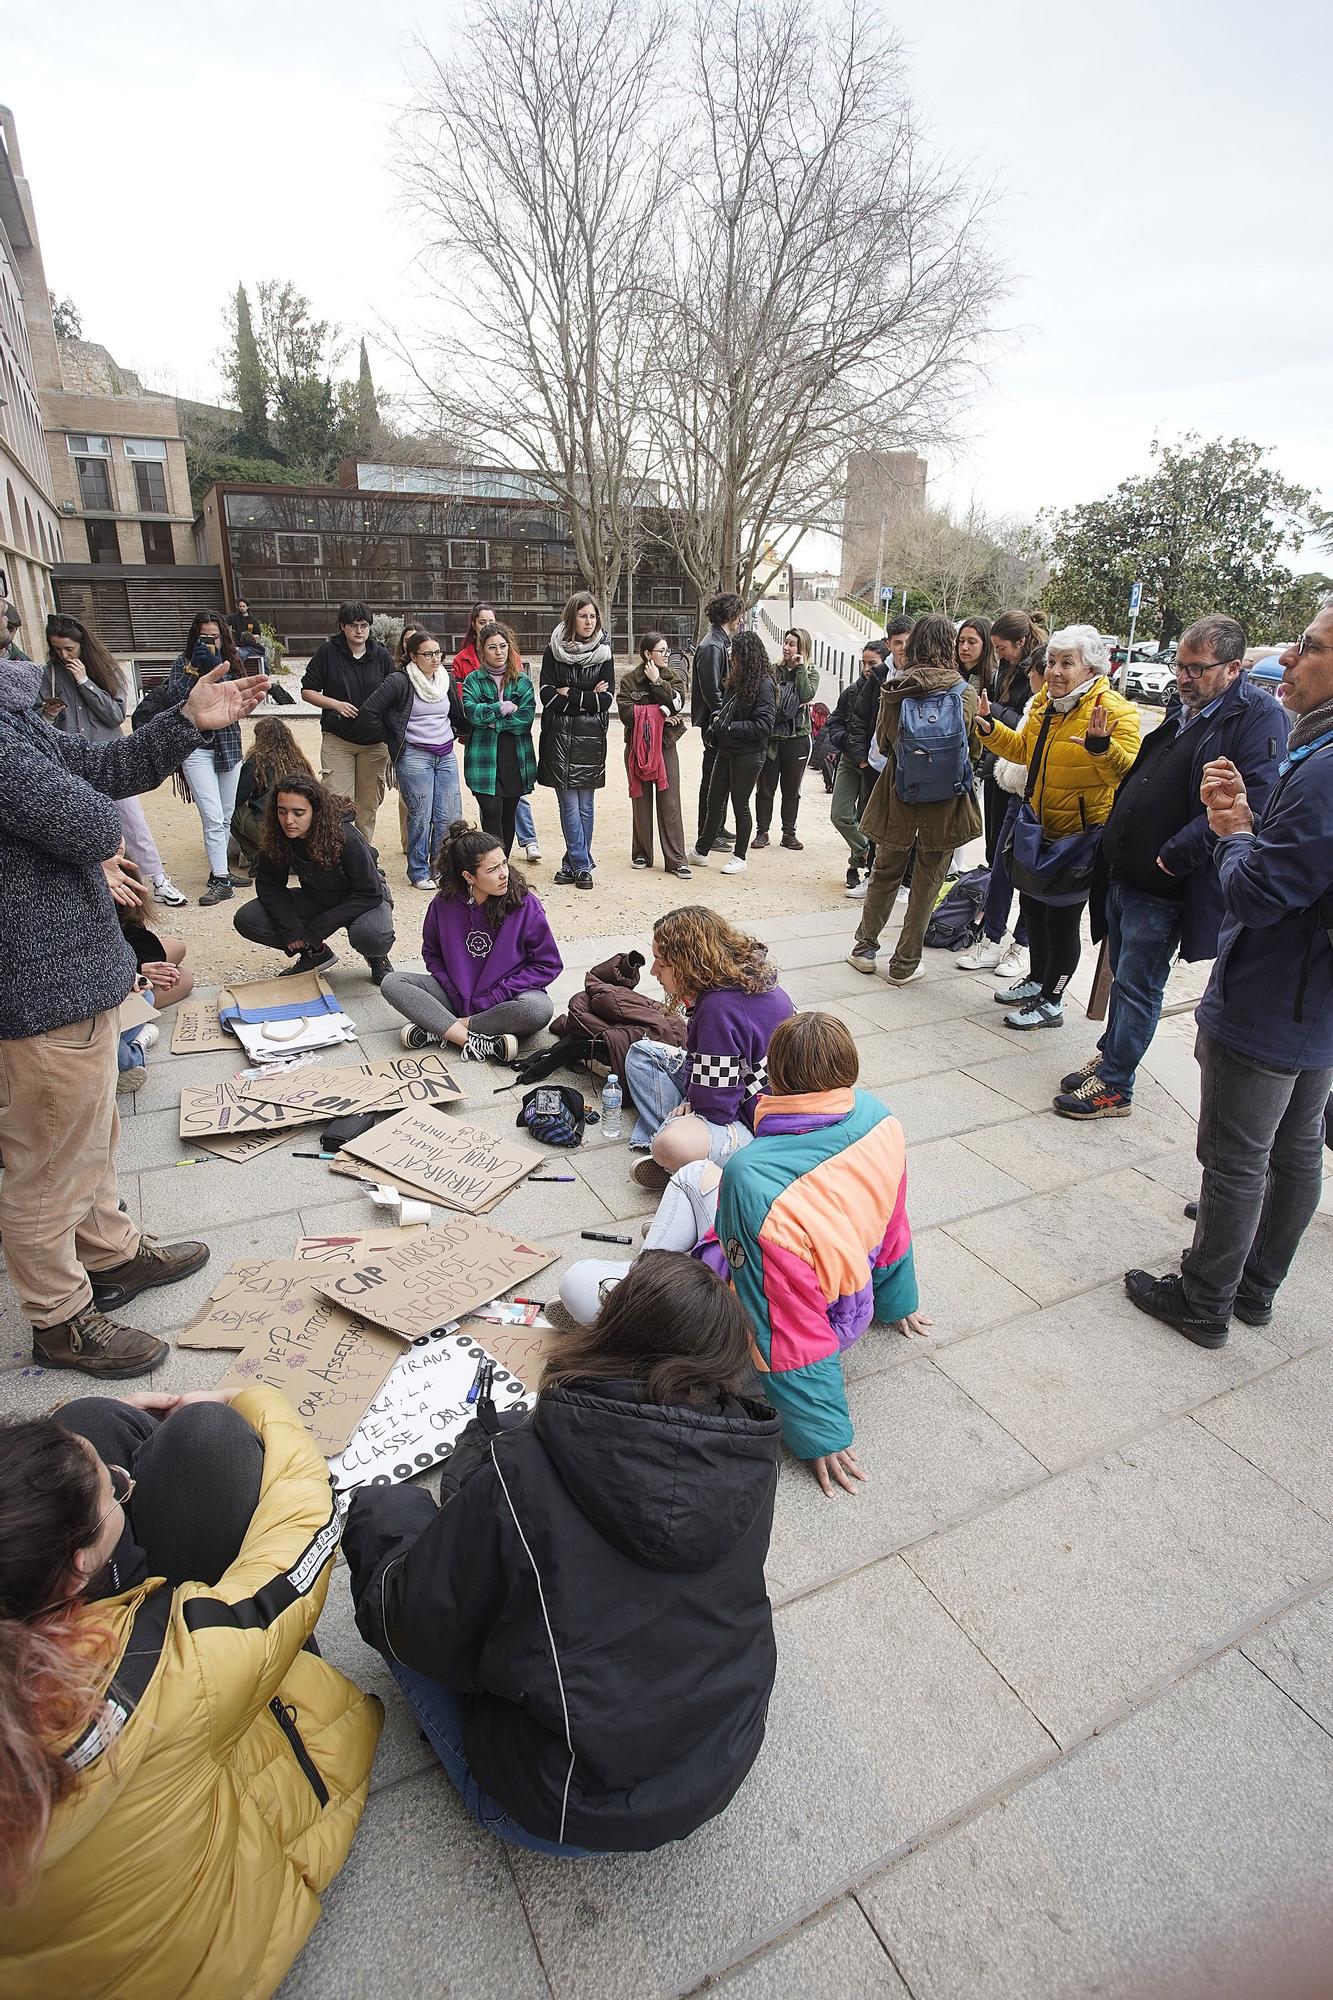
column 525, row 827
column 440, row 1713
column 1143, row 934
column 214, row 794
column 576, row 825
column 655, row 1073
column 428, row 781
column 1000, row 890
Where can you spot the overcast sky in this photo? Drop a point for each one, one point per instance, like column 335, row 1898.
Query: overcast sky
column 1165, row 164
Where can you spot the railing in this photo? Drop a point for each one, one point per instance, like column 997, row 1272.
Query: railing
column 856, row 614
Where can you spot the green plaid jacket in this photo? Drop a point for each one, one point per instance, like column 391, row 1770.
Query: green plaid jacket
column 481, row 705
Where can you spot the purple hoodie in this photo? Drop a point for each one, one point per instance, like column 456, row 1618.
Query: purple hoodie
column 479, row 967
column 727, row 1041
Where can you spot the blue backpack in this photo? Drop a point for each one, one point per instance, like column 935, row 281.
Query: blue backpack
column 932, row 761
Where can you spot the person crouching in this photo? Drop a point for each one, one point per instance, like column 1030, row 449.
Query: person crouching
column 311, row 832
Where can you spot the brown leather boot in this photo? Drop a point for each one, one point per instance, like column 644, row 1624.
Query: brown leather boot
column 98, row 1345
column 153, row 1263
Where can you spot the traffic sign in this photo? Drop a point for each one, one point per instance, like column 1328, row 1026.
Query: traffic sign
column 1135, row 600
column 887, row 593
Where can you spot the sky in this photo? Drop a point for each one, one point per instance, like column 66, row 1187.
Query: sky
column 1162, row 171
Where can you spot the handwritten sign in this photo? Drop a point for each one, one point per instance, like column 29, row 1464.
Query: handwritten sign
column 459, row 1264
column 196, row 1030
column 242, row 1146
column 218, row 1108
column 521, row 1350
column 423, row 1079
column 326, row 1091
column 416, row 1418
column 356, row 1246
column 460, row 1165
column 244, row 1300
column 329, row 1364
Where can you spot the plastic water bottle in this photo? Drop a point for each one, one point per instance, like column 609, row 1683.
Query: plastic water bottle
column 612, row 1104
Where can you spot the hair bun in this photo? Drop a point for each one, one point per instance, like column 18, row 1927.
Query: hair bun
column 457, row 828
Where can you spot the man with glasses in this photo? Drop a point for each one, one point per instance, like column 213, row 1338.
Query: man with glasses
column 353, row 756
column 1156, row 879
column 1265, row 1042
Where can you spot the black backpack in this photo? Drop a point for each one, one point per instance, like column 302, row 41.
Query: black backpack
column 955, row 923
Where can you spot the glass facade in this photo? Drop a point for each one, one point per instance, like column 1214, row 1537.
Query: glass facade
column 296, row 553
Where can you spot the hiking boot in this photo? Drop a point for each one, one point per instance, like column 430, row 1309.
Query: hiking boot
column 490, row 1048
column 419, row 1038
column 99, row 1346
column 1253, row 1308
column 760, row 840
column 984, row 956
column 152, row 1264
column 1092, row 1099
column 647, row 1174
column 218, row 891
column 863, row 957
column 1036, row 1013
column 1021, row 995
column 379, row 966
column 796, row 846
column 1165, row 1299
column 1078, row 1077
column 165, row 891
column 309, row 961
column 128, row 1081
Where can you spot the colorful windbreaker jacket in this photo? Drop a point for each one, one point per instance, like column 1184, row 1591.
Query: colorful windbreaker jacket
column 812, row 1224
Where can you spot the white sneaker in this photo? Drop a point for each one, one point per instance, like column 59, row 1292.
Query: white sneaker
column 985, row 956
column 906, row 978
column 857, row 894
column 699, row 860
column 426, row 888
column 532, row 851
column 734, row 867
column 1014, row 964
column 165, row 891
column 148, row 1035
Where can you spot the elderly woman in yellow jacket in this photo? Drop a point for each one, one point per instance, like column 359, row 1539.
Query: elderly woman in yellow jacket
column 179, row 1779
column 1078, row 741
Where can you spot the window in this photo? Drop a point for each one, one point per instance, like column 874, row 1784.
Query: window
column 157, row 544
column 468, row 555
column 150, row 485
column 145, row 448
column 81, row 445
column 103, row 542
column 94, row 485
column 300, row 548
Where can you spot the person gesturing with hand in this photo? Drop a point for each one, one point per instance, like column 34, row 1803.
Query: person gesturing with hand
column 1225, row 798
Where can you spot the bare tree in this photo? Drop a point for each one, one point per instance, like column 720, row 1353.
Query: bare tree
column 529, row 159
column 829, row 283
column 964, row 561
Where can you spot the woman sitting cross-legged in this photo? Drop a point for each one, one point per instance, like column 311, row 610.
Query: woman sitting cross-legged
column 489, row 955
column 179, row 1779
column 810, row 1224
column 312, row 833
column 697, row 1103
column 582, row 1625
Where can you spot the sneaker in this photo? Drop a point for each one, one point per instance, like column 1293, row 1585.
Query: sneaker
column 1165, row 1299
column 309, row 961
column 419, row 1038
column 1092, row 1099
column 638, row 861
column 856, row 891
column 1253, row 1308
column 986, row 955
column 906, row 978
column 796, row 846
column 699, row 859
column 1014, row 965
column 379, row 966
column 99, row 1346
column 684, row 874
column 490, row 1048
column 1018, row 996
column 760, row 840
column 853, row 874
column 130, row 1082
column 149, row 1035
column 734, row 866
column 724, row 837
column 218, row 891
column 1078, row 1077
column 426, row 888
column 583, row 881
column 1036, row 1014
column 647, row 1174
column 152, row 1264
column 532, row 852
column 165, row 891
column 862, row 957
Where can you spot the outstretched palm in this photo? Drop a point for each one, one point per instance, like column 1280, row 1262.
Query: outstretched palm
column 214, row 701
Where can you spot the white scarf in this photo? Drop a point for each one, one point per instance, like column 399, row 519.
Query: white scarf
column 1062, row 703
column 423, row 687
column 580, row 652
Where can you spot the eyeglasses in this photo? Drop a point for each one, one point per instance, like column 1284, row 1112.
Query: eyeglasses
column 1305, row 644
column 427, row 653
column 121, row 1488
column 1196, row 673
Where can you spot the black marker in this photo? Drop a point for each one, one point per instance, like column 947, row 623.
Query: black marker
column 599, row 1236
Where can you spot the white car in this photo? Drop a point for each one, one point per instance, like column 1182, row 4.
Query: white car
column 1145, row 680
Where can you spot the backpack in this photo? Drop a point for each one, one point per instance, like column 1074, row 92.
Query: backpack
column 932, row 760
column 955, row 922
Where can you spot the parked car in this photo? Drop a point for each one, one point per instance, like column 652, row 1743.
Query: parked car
column 1148, row 680
column 1264, row 665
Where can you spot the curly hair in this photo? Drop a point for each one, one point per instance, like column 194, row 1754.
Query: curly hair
column 226, row 643
column 749, row 664
column 704, row 952
column 932, row 642
column 324, row 842
column 275, row 752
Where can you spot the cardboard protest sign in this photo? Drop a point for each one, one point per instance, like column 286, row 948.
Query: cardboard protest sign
column 244, row 1299
column 196, row 1031
column 344, row 1164
column 322, row 1092
column 329, row 1364
column 279, row 1016
column 460, row 1165
column 347, row 1249
column 242, row 1146
column 214, row 1109
column 423, row 1079
column 522, row 1350
column 415, row 1420
column 459, row 1264
column 135, row 1010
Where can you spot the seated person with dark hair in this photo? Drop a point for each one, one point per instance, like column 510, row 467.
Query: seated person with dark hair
column 312, row 832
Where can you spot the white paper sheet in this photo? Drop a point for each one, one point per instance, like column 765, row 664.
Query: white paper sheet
column 417, row 1416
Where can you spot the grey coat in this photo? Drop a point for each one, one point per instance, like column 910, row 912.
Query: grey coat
column 89, row 711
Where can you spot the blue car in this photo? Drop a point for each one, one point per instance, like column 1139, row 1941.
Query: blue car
column 1268, row 672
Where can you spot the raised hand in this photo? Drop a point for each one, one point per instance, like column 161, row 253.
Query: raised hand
column 121, row 879
column 1222, row 785
column 983, row 702
column 1099, row 726
column 214, row 701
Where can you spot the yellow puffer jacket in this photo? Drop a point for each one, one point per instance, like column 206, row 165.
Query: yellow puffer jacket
column 190, row 1859
column 1068, row 772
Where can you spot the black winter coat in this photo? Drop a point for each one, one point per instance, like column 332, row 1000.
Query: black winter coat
column 391, row 707
column 572, row 753
column 712, row 662
column 341, row 893
column 648, row 1527
column 743, row 729
column 863, row 715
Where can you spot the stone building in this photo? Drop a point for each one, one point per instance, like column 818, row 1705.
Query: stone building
column 30, row 526
column 881, row 487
